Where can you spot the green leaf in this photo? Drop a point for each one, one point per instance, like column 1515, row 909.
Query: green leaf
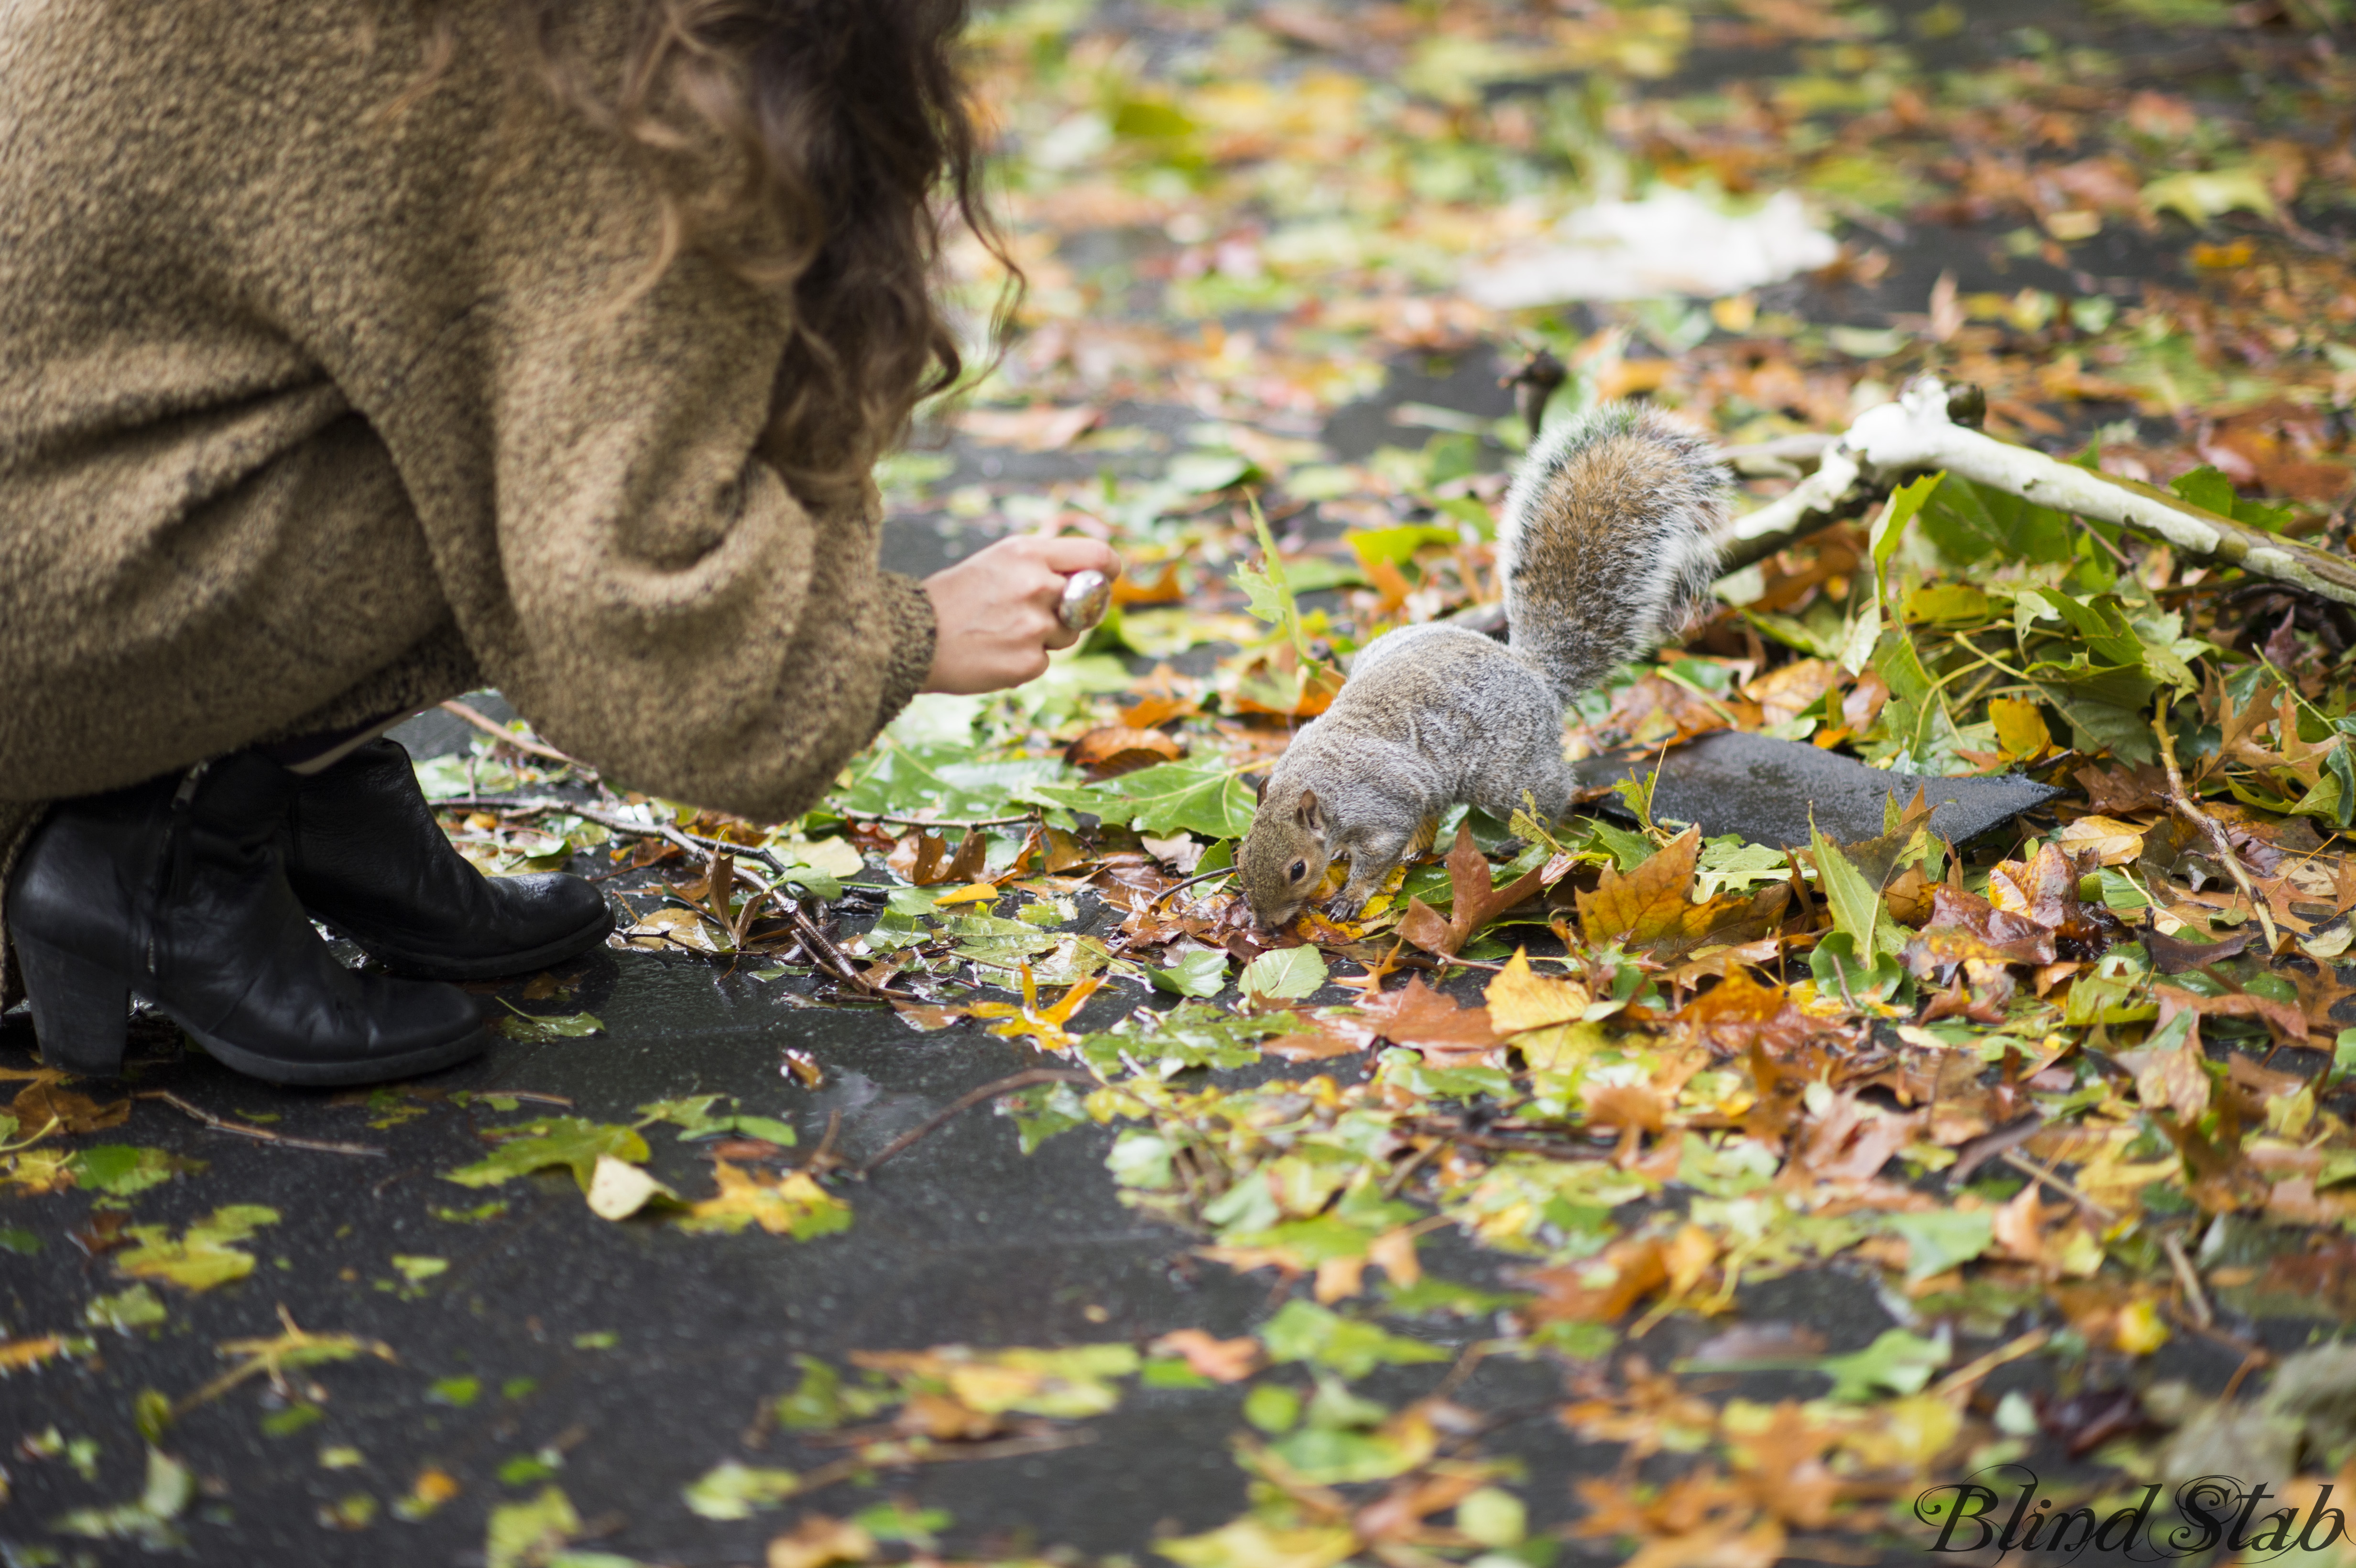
column 1272, row 1407
column 1889, row 527
column 204, row 1256
column 1337, row 1456
column 120, row 1170
column 1856, row 903
column 815, row 1403
column 1202, row 798
column 136, row 1308
column 522, row 1535
column 693, row 1116
column 2200, row 195
column 1898, row 1362
column 1192, row 1034
column 730, row 1490
column 538, row 1029
column 1203, row 973
column 1285, row 974
column 1969, row 522
column 898, row 780
column 1396, row 546
column 1939, row 1238
column 417, row 1270
column 1303, row 1331
column 550, row 1141
column 456, row 1392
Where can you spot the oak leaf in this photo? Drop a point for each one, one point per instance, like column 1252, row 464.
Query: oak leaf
column 1475, row 899
column 1113, row 749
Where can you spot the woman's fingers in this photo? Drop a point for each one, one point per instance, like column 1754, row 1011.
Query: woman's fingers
column 996, row 612
column 1068, row 553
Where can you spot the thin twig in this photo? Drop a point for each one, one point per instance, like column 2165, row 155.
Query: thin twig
column 261, row 1135
column 2195, row 1299
column 2210, row 827
column 2029, row 1167
column 927, row 822
column 968, row 1101
column 490, row 726
column 1964, row 1378
column 2250, row 1363
column 1178, row 887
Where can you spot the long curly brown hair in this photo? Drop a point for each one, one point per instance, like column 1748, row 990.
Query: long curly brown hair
column 853, row 143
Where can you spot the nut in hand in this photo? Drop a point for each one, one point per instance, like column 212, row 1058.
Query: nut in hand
column 1086, row 596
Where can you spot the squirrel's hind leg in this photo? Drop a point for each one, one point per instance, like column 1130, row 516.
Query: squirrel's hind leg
column 1547, row 781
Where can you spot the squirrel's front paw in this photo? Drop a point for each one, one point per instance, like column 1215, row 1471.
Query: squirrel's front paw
column 1343, row 906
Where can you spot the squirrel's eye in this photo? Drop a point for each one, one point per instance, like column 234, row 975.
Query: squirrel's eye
column 1300, row 869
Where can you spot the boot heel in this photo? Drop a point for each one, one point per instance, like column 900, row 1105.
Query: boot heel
column 81, row 1011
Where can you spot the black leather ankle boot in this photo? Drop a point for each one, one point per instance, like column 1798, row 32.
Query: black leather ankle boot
column 174, row 889
column 366, row 856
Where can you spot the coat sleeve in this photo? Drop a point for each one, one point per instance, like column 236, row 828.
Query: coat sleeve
column 667, row 608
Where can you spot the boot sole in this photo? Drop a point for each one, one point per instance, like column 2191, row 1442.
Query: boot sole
column 343, row 1074
column 499, row 966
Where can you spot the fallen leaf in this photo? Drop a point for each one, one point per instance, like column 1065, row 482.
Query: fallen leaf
column 1221, row 1360
column 204, row 1255
column 2110, row 841
column 1519, row 998
column 1650, row 907
column 817, row 1540
column 38, row 1105
column 792, row 1205
column 1417, row 1015
column 1474, row 900
column 619, row 1189
column 1040, row 428
column 1114, row 749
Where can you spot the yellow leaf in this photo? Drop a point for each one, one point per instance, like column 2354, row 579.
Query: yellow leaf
column 1247, row 1542
column 972, row 892
column 817, row 1540
column 1561, row 1047
column 2019, row 727
column 17, row 1355
column 2118, row 843
column 1521, row 999
column 792, row 1205
column 203, row 1256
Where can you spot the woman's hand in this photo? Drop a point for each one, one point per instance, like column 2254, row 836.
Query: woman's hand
column 995, row 610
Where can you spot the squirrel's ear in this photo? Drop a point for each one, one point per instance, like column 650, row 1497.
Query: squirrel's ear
column 1258, row 783
column 1311, row 816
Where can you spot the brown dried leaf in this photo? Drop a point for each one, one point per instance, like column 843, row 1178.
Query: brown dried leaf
column 921, row 858
column 1601, row 1289
column 971, row 860
column 1650, row 901
column 1475, row 899
column 1419, row 1015
column 1326, row 1038
column 1114, row 749
column 1221, row 1360
column 39, row 1104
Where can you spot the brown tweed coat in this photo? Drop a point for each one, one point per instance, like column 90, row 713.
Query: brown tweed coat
column 311, row 411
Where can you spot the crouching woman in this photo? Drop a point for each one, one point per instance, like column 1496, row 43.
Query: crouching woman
column 351, row 358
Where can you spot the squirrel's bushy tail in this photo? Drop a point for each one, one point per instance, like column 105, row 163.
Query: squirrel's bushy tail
column 1608, row 544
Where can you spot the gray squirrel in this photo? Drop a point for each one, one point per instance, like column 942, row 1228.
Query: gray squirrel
column 1608, row 547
